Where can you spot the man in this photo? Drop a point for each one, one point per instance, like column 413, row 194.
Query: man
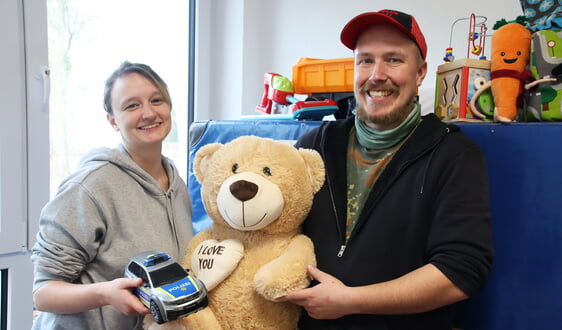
column 402, row 226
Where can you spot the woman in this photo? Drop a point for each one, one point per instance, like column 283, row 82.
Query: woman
column 118, row 203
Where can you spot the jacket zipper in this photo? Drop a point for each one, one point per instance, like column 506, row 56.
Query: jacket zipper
column 342, row 250
column 342, row 246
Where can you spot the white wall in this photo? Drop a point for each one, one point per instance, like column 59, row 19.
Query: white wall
column 240, row 40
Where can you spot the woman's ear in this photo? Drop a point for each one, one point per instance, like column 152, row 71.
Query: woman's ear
column 112, row 122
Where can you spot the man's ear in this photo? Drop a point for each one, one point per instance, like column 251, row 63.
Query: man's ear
column 422, row 71
column 111, row 120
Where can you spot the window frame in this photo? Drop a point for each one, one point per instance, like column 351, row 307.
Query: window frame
column 24, row 161
column 13, row 181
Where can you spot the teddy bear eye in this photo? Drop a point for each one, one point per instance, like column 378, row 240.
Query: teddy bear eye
column 267, row 171
column 234, row 168
column 502, row 54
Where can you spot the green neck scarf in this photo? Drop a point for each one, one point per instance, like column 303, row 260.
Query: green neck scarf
column 371, row 138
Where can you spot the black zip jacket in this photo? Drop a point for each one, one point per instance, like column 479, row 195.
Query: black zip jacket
column 430, row 205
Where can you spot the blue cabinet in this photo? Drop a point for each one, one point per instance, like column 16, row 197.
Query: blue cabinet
column 524, row 290
column 524, row 162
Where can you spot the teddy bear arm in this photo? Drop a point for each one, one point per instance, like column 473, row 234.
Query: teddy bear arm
column 205, row 319
column 200, row 237
column 288, row 272
column 150, row 324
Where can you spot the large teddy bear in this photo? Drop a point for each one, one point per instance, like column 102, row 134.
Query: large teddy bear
column 257, row 191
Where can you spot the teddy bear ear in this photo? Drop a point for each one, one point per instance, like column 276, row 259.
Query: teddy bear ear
column 201, row 159
column 315, row 167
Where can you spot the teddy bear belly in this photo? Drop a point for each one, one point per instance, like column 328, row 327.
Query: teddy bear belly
column 249, row 310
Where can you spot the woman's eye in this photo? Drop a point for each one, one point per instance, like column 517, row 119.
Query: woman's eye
column 131, row 106
column 157, row 101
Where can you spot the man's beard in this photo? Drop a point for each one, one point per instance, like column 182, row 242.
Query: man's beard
column 393, row 118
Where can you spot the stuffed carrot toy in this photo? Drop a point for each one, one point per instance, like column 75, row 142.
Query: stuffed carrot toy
column 511, row 46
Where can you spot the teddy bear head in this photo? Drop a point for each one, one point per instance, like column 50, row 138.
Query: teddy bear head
column 258, row 184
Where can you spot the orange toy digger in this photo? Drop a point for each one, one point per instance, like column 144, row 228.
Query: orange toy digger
column 510, row 53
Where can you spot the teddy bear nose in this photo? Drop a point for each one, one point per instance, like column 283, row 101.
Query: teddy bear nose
column 243, row 190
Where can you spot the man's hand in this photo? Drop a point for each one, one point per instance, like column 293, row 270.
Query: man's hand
column 326, row 300
column 418, row 291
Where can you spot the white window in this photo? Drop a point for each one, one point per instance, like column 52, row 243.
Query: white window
column 104, row 33
column 88, row 40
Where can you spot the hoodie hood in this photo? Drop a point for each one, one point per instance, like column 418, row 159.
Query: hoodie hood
column 120, row 157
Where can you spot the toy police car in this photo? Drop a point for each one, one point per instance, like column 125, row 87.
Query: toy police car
column 167, row 288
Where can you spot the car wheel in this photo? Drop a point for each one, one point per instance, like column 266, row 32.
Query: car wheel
column 156, row 312
column 205, row 302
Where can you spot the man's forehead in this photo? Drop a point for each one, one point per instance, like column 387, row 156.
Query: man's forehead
column 386, row 34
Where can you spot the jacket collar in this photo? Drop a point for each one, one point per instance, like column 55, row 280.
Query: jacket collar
column 428, row 133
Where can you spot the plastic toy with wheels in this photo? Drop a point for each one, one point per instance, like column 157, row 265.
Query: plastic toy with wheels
column 279, row 102
column 168, row 290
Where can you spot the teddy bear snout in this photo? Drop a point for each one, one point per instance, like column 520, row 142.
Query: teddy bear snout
column 243, row 190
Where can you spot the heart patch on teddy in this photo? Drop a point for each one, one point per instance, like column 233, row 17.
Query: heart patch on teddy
column 213, row 261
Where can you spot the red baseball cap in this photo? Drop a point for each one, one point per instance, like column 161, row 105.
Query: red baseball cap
column 404, row 22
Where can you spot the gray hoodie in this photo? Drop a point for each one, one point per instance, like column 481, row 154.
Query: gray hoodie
column 107, row 211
